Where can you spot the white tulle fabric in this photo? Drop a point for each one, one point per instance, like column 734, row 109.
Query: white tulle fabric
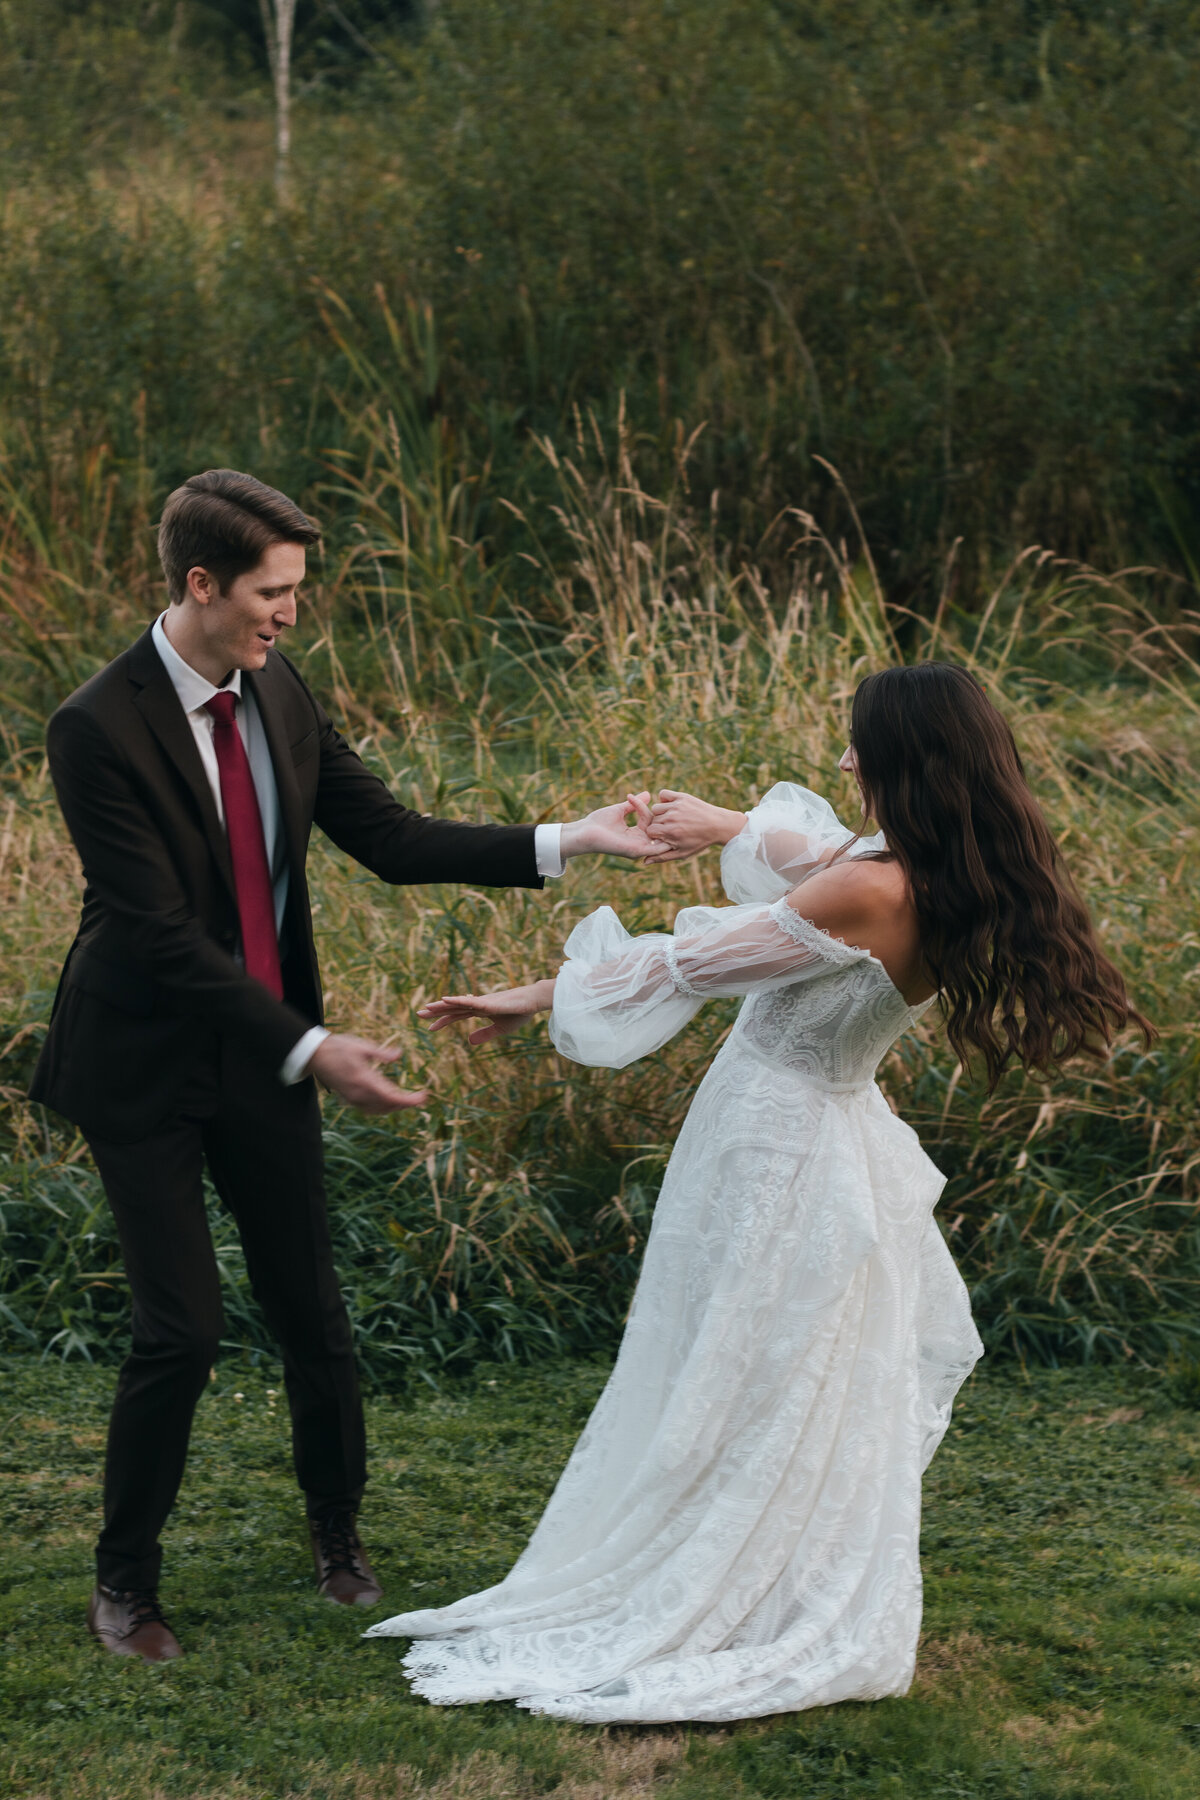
column 736, row 1532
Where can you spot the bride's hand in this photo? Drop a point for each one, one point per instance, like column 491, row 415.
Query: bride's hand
column 680, row 825
column 505, row 1011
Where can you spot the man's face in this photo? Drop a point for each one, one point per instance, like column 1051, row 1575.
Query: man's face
column 241, row 625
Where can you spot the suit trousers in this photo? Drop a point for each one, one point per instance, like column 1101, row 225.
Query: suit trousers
column 262, row 1144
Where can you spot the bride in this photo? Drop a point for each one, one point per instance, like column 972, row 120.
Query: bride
column 736, row 1532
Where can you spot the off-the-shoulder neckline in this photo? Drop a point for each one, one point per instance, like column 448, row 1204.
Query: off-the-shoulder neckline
column 859, row 951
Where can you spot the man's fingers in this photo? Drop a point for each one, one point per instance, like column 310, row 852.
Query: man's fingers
column 385, row 1097
column 393, row 1102
column 389, row 1096
column 666, row 794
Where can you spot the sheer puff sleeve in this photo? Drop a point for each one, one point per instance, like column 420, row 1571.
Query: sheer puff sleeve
column 618, row 998
column 785, row 837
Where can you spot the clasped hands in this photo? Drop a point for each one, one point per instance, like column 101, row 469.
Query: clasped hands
column 670, row 829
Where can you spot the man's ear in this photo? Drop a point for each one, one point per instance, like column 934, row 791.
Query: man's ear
column 201, row 586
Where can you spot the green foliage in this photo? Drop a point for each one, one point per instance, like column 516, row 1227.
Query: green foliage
column 536, row 257
column 440, row 1267
column 1184, row 1380
column 1057, row 1660
column 950, row 248
column 508, row 1220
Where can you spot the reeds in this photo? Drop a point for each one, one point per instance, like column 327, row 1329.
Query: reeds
column 509, row 1218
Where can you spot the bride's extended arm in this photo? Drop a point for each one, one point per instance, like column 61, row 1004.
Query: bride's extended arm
column 789, row 834
column 505, row 1010
column 681, row 825
column 618, row 998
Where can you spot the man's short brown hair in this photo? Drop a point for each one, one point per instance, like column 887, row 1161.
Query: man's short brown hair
column 222, row 521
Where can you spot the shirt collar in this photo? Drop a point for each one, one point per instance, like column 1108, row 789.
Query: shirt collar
column 194, row 690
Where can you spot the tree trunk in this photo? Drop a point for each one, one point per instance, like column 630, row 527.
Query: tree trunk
column 278, row 17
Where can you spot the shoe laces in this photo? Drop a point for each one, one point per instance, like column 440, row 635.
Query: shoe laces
column 339, row 1542
column 143, row 1606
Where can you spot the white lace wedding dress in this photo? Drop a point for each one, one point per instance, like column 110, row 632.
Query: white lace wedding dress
column 736, row 1530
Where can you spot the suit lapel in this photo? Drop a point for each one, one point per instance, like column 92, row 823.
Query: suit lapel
column 291, row 807
column 158, row 703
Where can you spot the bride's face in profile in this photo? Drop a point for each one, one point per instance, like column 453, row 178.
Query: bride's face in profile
column 848, row 764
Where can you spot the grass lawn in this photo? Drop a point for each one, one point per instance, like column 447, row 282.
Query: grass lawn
column 1060, row 1655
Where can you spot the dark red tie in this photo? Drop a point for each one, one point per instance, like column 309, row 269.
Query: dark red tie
column 247, row 847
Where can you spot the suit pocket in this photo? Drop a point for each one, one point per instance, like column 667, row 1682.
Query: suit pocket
column 305, row 747
column 128, row 989
column 111, row 1073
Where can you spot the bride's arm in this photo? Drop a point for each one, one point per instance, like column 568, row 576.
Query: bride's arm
column 682, row 825
column 633, row 979
column 765, row 852
column 618, row 998
column 505, row 1010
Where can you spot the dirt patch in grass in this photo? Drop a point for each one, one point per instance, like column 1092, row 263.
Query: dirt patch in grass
column 948, row 1663
column 628, row 1765
column 1034, row 1728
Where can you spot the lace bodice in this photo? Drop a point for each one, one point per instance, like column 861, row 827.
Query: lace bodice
column 824, row 1009
column 835, row 1029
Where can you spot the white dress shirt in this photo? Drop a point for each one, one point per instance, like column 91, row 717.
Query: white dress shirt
column 195, row 691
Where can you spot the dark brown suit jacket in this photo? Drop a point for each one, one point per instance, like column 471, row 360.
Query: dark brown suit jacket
column 151, row 982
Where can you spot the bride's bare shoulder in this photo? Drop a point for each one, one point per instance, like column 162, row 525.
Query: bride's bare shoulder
column 867, row 903
column 854, row 898
column 853, row 881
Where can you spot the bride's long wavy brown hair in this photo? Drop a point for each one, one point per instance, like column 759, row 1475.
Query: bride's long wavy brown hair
column 1004, row 932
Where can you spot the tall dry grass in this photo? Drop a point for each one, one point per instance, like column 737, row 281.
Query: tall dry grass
column 510, row 1215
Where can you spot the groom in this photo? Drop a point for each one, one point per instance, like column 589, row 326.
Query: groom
column 187, row 1025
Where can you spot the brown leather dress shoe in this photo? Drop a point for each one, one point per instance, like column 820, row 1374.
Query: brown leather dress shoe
column 343, row 1572
column 130, row 1622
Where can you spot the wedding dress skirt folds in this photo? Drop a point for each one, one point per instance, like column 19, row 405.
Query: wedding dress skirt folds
column 736, row 1532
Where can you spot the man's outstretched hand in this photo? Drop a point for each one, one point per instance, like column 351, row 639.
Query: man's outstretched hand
column 350, row 1067
column 615, row 830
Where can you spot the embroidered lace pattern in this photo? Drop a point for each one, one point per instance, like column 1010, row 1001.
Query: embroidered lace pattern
column 680, row 982
column 736, row 1532
column 835, row 949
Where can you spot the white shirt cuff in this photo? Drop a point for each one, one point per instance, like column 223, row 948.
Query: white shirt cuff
column 547, row 851
column 301, row 1054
